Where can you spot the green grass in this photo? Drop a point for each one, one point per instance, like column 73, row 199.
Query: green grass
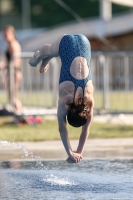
column 48, row 130
column 118, row 100
column 36, row 98
column 3, row 97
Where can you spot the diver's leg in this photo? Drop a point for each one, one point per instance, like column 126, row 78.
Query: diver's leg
column 45, row 64
column 48, row 50
column 39, row 55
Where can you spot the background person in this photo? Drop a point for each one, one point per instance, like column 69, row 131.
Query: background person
column 12, row 49
column 76, row 101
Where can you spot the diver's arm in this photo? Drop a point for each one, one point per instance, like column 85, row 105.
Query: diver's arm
column 85, row 132
column 61, row 114
column 73, row 157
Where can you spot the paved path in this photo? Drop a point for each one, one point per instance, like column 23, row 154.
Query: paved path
column 94, row 148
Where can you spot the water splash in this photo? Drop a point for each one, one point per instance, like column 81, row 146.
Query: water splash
column 27, row 154
column 56, row 180
column 53, row 179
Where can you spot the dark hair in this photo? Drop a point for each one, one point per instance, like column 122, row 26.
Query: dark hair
column 78, row 112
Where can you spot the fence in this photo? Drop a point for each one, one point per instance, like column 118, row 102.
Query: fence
column 112, row 75
column 113, row 81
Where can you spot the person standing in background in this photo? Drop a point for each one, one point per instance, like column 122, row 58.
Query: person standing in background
column 13, row 49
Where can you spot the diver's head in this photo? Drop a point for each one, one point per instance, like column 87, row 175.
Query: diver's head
column 78, row 112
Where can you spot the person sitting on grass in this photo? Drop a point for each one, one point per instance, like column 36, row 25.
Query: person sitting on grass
column 76, row 101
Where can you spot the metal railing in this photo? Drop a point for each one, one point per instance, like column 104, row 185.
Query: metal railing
column 112, row 75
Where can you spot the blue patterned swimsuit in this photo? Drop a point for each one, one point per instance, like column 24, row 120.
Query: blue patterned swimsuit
column 72, row 46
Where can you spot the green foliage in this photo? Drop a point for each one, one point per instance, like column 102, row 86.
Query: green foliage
column 47, row 13
column 52, row 14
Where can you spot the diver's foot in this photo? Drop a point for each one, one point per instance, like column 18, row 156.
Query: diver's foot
column 35, row 60
column 44, row 68
column 45, row 64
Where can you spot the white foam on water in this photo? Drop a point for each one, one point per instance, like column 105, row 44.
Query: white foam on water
column 55, row 180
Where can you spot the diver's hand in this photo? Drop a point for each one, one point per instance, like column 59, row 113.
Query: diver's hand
column 74, row 158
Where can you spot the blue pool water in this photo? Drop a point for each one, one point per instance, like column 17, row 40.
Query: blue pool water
column 58, row 180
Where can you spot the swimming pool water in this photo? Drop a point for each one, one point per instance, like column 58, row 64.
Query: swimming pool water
column 58, row 180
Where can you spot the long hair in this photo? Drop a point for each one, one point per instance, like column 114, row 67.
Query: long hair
column 78, row 112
